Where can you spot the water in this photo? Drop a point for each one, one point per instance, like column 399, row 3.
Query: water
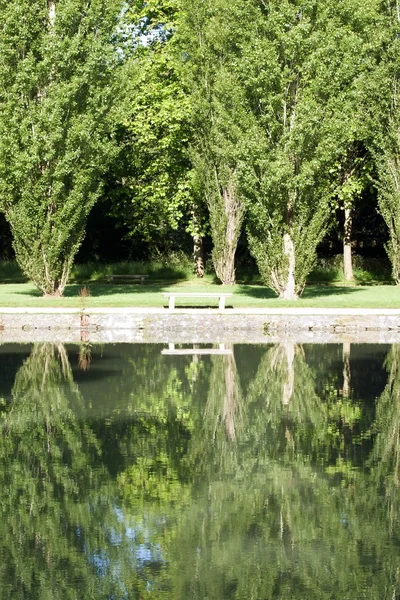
column 254, row 473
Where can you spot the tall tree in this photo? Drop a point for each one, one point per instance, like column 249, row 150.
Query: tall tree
column 150, row 178
column 388, row 163
column 355, row 48
column 381, row 107
column 223, row 128
column 58, row 65
column 298, row 75
column 351, row 183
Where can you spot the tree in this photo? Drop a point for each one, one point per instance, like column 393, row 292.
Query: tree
column 388, row 164
column 58, row 65
column 356, row 48
column 298, row 76
column 352, row 181
column 150, row 177
column 382, row 113
column 210, row 37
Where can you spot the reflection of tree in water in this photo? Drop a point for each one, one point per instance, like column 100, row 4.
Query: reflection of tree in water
column 267, row 523
column 61, row 535
column 84, row 356
column 346, row 370
column 282, row 396
column 224, row 401
column 40, row 495
column 209, row 502
column 386, row 452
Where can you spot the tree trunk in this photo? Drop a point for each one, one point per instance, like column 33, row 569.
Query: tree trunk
column 289, row 292
column 283, row 280
column 347, row 255
column 225, row 241
column 52, row 12
column 198, row 250
column 226, row 267
column 198, row 255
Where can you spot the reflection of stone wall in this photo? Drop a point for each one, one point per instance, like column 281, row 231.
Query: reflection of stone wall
column 201, row 325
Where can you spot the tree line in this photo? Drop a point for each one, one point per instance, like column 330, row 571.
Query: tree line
column 198, row 119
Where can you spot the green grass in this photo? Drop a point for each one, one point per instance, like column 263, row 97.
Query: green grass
column 149, row 295
column 326, row 288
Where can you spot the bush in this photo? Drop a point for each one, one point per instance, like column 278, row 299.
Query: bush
column 174, row 266
column 11, row 271
column 366, row 270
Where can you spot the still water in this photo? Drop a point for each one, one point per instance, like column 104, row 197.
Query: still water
column 149, row 472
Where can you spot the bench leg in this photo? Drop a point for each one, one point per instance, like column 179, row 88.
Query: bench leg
column 171, row 346
column 221, row 302
column 141, row 280
column 171, row 302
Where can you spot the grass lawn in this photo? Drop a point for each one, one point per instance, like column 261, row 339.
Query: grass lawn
column 149, row 295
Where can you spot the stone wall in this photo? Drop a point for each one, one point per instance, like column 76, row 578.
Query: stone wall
column 199, row 325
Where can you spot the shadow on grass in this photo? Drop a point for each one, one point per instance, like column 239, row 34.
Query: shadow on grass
column 312, row 291
column 321, row 291
column 102, row 289
column 98, row 290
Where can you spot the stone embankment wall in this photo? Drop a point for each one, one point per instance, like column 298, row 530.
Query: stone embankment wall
column 199, row 325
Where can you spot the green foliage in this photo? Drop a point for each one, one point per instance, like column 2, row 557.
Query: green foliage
column 59, row 84
column 39, row 429
column 149, row 179
column 305, row 113
column 223, row 130
column 11, row 271
column 366, row 270
column 381, row 106
column 389, row 192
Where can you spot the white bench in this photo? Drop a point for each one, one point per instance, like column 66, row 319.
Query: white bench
column 128, row 277
column 172, row 295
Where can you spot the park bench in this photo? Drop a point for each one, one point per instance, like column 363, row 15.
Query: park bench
column 172, row 295
column 172, row 351
column 111, row 278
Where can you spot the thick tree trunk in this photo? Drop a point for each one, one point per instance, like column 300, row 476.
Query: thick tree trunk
column 283, row 278
column 226, row 269
column 347, row 254
column 198, row 255
column 225, row 247
column 289, row 292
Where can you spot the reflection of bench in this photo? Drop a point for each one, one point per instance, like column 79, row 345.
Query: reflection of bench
column 195, row 351
column 173, row 295
column 127, row 277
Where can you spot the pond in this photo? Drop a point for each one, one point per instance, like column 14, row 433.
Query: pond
column 245, row 472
